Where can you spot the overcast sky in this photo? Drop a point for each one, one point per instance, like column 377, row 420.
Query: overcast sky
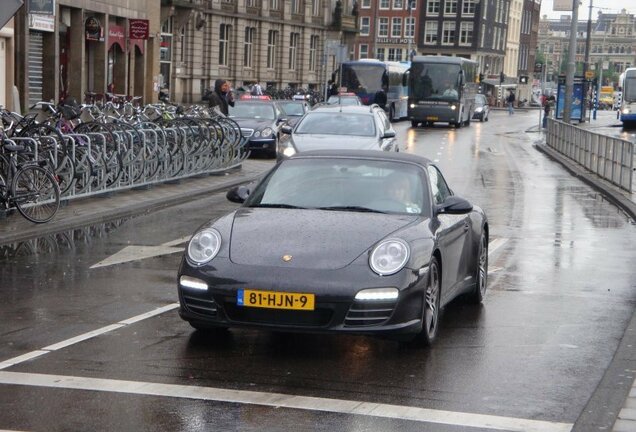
column 607, row 6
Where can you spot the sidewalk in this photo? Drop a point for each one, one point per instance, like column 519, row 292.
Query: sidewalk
column 613, row 404
column 87, row 211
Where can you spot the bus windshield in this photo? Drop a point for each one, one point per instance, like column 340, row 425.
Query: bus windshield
column 434, row 81
column 364, row 79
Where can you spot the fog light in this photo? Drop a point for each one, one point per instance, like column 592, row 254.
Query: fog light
column 194, row 283
column 372, row 294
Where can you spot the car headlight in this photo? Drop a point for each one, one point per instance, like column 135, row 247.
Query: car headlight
column 412, row 106
column 479, row 109
column 289, row 151
column 626, row 111
column 389, row 257
column 204, row 246
column 257, row 134
column 453, row 107
column 266, row 132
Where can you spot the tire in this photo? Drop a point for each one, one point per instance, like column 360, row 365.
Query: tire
column 36, row 194
column 392, row 113
column 481, row 272
column 414, row 123
column 431, row 312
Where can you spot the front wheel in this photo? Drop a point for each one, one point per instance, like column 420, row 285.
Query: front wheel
column 414, row 123
column 430, row 314
column 36, row 194
column 478, row 293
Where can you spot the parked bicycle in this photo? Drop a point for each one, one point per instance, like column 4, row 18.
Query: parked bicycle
column 27, row 185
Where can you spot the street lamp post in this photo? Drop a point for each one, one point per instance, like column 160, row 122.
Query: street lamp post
column 586, row 64
column 569, row 78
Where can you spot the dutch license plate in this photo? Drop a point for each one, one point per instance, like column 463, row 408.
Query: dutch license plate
column 274, row 299
column 432, row 118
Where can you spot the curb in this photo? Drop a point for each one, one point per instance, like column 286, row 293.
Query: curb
column 143, row 206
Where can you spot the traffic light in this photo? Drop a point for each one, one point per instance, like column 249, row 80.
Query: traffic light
column 523, row 79
column 481, row 77
column 502, row 77
column 538, row 67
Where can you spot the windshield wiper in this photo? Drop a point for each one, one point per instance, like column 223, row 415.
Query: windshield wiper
column 289, row 206
column 351, row 208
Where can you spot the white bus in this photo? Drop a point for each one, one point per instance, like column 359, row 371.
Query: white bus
column 380, row 82
column 627, row 104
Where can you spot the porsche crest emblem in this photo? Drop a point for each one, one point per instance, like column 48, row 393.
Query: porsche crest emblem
column 287, row 258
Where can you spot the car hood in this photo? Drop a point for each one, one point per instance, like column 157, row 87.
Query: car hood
column 251, row 123
column 315, row 239
column 305, row 142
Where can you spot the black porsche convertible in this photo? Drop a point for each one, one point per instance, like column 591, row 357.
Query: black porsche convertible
column 360, row 242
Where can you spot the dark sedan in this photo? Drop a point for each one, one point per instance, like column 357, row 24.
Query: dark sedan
column 260, row 121
column 339, row 127
column 293, row 110
column 482, row 110
column 361, row 242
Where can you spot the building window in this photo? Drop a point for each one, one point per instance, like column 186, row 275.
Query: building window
column 466, row 33
column 364, row 51
column 385, row 4
column 397, row 5
column 469, row 7
column 450, row 7
column 313, row 49
column 432, row 7
column 295, row 6
column 396, row 27
column 272, row 39
column 483, row 36
column 293, row 50
column 379, row 54
column 366, row 4
column 395, row 54
column 224, row 44
column 412, row 4
column 383, row 27
column 409, row 27
column 365, row 25
column 249, row 45
column 274, row 4
column 430, row 35
column 316, row 8
column 448, row 33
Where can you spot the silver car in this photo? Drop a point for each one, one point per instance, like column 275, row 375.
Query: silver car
column 339, row 127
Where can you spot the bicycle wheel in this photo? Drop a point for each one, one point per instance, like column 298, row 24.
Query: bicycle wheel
column 35, row 194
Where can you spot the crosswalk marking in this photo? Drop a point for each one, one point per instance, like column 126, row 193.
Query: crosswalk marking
column 280, row 400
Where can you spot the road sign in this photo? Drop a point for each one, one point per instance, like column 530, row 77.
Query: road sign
column 589, row 74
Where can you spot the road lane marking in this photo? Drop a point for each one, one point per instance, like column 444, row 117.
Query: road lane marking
column 496, row 244
column 281, row 400
column 138, row 252
column 85, row 336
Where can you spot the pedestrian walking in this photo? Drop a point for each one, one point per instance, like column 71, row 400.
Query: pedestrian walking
column 221, row 97
column 546, row 113
column 511, row 102
column 257, row 90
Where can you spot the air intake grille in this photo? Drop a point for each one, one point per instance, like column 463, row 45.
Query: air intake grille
column 368, row 313
column 199, row 305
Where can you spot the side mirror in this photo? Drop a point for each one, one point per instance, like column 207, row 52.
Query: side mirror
column 455, row 205
column 389, row 134
column 238, row 194
column 286, row 129
column 281, row 120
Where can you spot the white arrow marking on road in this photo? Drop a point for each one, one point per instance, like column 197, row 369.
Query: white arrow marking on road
column 134, row 253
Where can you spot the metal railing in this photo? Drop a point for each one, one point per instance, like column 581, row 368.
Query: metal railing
column 610, row 158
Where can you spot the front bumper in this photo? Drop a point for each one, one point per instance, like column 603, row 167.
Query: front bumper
column 268, row 144
column 336, row 310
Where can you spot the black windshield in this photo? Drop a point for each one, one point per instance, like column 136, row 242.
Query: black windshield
column 434, row 81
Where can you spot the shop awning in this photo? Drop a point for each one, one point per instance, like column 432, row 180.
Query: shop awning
column 117, row 36
column 139, row 43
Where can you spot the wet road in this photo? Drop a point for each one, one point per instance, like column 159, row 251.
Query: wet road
column 102, row 348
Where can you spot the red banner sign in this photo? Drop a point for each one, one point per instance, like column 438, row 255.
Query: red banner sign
column 138, row 28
